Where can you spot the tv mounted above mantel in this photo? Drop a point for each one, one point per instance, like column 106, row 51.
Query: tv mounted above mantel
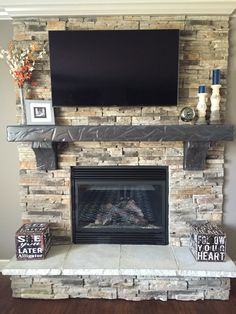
column 123, row 67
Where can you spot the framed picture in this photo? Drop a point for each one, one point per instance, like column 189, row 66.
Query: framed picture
column 39, row 112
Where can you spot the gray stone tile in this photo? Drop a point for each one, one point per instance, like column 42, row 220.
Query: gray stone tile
column 50, row 266
column 147, row 260
column 92, row 259
column 188, row 266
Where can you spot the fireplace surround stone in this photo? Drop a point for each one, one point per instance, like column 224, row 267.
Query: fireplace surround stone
column 194, row 195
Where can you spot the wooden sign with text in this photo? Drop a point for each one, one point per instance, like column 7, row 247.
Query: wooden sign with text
column 33, row 241
column 207, row 242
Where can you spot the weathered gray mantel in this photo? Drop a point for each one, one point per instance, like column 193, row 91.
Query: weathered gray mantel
column 197, row 138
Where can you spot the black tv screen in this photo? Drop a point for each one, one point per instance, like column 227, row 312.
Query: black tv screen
column 123, row 67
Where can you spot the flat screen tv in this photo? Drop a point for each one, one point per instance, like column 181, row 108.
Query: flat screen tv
column 123, row 67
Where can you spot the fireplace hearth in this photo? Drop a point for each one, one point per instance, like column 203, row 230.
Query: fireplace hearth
column 120, row 205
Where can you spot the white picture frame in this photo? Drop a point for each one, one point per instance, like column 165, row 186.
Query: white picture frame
column 39, row 112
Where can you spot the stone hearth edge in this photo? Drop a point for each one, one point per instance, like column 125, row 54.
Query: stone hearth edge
column 132, row 272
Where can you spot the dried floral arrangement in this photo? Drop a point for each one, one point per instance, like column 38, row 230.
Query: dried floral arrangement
column 21, row 61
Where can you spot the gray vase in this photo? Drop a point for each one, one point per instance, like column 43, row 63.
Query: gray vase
column 23, row 112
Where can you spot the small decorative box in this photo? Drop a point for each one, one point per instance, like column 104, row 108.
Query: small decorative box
column 33, row 241
column 207, row 242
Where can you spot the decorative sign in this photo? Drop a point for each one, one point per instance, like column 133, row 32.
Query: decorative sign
column 207, row 242
column 33, row 241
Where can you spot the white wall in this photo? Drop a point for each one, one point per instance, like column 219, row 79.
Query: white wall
column 9, row 200
column 230, row 156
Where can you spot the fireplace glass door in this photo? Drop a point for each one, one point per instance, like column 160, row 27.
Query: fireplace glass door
column 124, row 205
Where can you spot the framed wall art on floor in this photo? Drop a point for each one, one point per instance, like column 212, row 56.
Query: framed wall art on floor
column 39, row 112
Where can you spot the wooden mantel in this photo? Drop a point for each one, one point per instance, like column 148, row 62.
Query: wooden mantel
column 196, row 138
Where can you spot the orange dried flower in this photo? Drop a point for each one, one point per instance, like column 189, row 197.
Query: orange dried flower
column 21, row 61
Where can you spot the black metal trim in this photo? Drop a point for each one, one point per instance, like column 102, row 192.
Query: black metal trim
column 120, row 173
column 153, row 238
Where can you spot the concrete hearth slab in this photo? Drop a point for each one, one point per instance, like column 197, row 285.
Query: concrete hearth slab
column 50, row 266
column 189, row 267
column 113, row 260
column 92, row 259
column 147, row 260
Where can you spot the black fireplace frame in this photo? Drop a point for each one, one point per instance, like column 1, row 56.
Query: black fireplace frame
column 109, row 235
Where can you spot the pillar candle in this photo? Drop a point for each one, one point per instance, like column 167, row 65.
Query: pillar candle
column 216, row 77
column 201, row 89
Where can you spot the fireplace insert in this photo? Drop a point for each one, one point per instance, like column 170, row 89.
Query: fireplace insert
column 122, row 205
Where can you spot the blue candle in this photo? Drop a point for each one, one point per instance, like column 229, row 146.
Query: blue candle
column 201, row 89
column 216, row 77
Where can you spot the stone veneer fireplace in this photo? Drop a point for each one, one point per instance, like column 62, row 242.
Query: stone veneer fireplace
column 46, row 195
column 193, row 195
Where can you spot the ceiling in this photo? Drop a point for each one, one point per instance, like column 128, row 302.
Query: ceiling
column 28, row 8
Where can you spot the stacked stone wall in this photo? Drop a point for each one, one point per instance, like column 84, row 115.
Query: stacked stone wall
column 135, row 288
column 45, row 195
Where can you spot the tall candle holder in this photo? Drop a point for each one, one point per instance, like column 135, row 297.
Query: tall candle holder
column 215, row 104
column 201, row 106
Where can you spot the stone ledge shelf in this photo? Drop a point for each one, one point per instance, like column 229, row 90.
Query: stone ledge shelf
column 120, row 260
column 196, row 138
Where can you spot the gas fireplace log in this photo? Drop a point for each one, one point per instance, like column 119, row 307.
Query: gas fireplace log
column 126, row 212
